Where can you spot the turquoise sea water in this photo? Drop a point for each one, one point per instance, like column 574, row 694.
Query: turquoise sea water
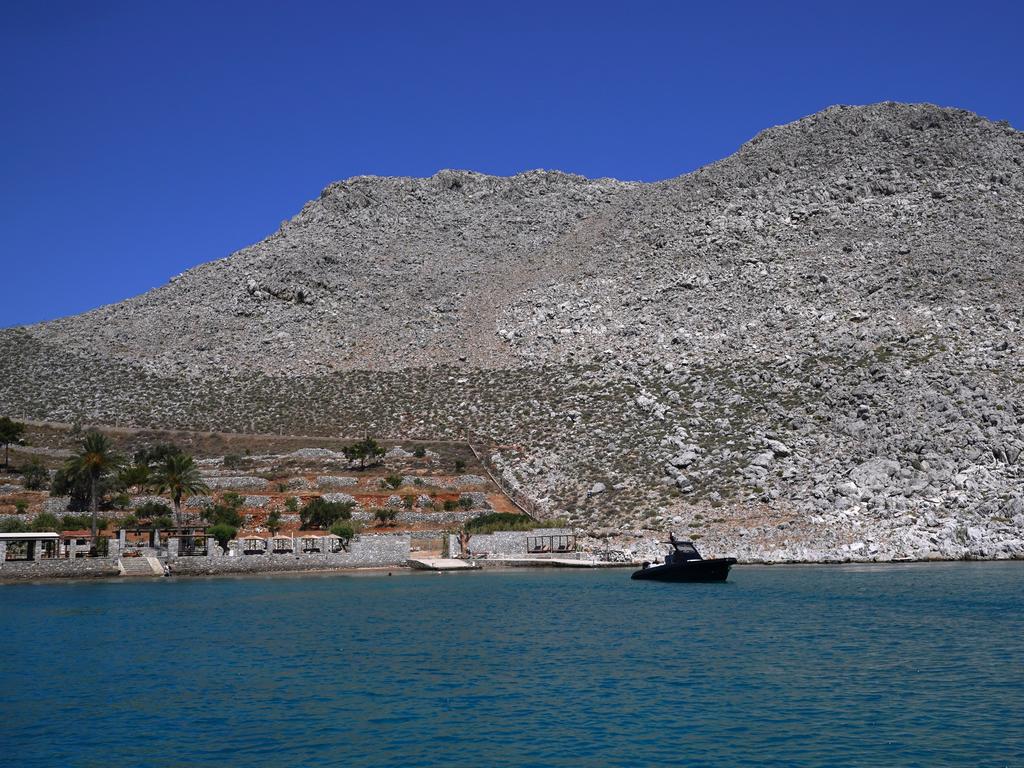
column 789, row 666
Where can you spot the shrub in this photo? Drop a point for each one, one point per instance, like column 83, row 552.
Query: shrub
column 233, row 500
column 450, row 505
column 465, row 502
column 233, row 461
column 20, row 506
column 500, row 521
column 319, row 513
column 223, row 533
column 460, row 465
column 408, row 502
column 393, row 480
column 34, row 475
column 385, row 516
column 420, row 452
column 77, row 522
column 13, row 525
column 292, row 504
column 45, row 521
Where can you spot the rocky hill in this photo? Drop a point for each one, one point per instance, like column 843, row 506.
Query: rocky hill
column 808, row 350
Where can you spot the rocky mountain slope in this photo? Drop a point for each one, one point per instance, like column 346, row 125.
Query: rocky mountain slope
column 808, row 350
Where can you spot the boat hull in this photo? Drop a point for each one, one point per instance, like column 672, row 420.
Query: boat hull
column 692, row 570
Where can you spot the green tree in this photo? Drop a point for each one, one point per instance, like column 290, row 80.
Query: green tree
column 345, row 531
column 319, row 513
column 95, row 460
column 178, row 475
column 223, row 513
column 10, row 432
column 366, row 450
column 274, row 521
column 35, row 475
column 75, row 486
column 223, row 533
column 135, row 476
column 154, row 455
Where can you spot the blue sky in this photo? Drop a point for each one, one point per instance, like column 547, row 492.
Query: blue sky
column 140, row 138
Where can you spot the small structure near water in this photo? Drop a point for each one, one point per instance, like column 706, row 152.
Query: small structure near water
column 536, row 543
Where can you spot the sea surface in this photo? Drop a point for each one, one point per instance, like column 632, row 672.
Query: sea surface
column 902, row 665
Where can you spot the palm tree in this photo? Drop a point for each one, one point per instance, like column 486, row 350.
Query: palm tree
column 93, row 462
column 178, row 475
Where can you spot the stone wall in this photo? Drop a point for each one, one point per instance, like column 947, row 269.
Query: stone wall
column 364, row 552
column 81, row 567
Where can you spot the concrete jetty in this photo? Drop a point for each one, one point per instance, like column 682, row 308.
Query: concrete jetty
column 441, row 564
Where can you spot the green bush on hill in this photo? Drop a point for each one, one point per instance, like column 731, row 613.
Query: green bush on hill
column 500, row 521
column 45, row 521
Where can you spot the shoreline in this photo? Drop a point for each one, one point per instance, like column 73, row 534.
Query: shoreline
column 404, row 569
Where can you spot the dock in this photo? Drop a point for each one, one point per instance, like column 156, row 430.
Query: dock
column 441, row 564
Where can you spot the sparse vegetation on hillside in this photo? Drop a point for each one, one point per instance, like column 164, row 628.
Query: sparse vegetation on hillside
column 500, row 521
column 320, row 513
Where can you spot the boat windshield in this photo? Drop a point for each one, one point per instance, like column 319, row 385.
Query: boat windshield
column 684, row 550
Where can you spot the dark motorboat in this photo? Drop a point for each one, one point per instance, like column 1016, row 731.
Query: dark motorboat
column 684, row 563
